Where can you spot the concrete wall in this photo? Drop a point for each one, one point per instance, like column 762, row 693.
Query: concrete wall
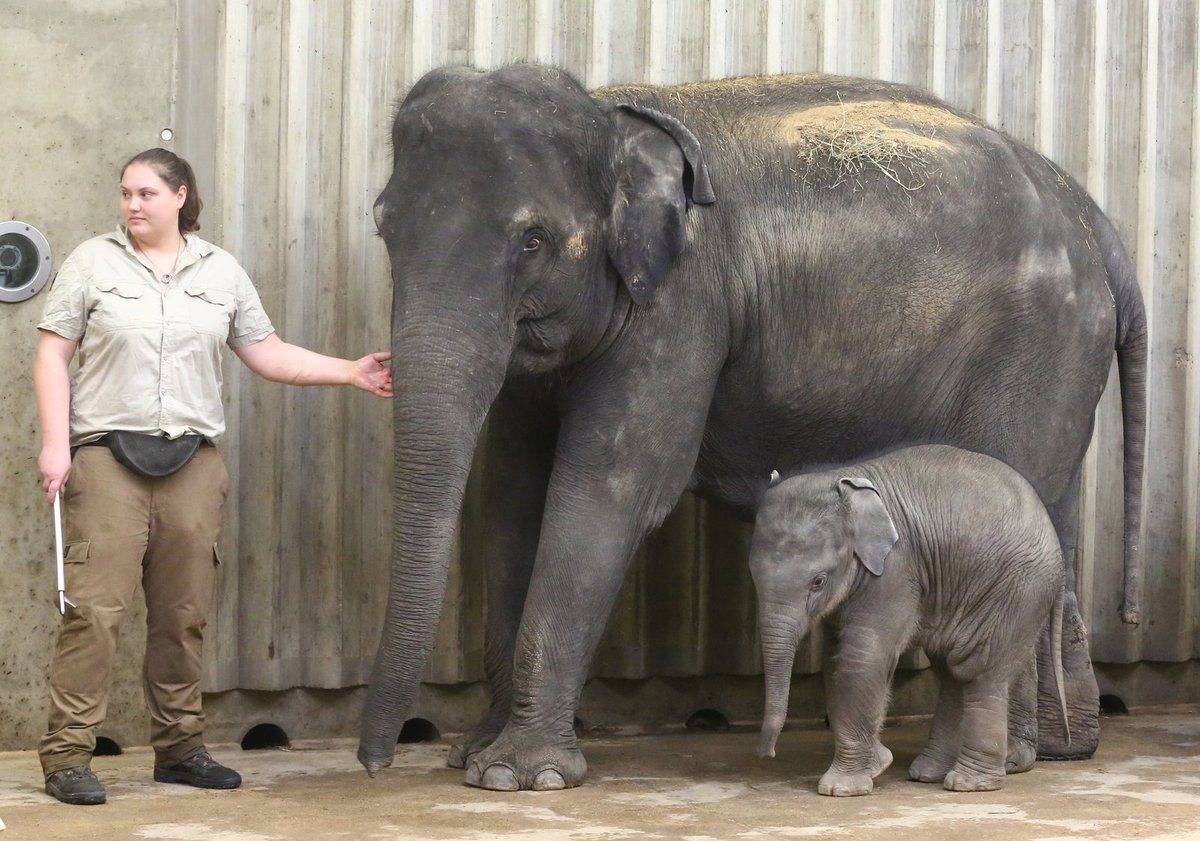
column 84, row 87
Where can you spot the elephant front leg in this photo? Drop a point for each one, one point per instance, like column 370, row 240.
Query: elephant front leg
column 627, row 444
column 858, row 691
column 515, row 472
column 573, row 588
column 941, row 751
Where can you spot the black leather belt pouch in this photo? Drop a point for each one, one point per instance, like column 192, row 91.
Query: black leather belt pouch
column 152, row 456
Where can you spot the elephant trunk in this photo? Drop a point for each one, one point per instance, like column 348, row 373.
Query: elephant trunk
column 445, row 385
column 780, row 636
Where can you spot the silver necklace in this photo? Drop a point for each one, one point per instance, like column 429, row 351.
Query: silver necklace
column 163, row 277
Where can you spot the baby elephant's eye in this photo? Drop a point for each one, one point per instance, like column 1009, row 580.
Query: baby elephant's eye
column 533, row 243
column 818, row 583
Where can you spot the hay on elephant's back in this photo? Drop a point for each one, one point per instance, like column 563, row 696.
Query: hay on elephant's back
column 898, row 139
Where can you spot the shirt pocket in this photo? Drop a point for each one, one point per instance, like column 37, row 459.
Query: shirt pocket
column 120, row 306
column 209, row 310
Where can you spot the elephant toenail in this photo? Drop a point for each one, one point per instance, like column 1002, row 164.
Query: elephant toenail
column 500, row 778
column 549, row 780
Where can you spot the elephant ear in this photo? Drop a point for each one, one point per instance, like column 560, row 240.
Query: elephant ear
column 874, row 532
column 660, row 169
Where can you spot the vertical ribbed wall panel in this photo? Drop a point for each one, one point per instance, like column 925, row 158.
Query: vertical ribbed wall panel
column 306, row 89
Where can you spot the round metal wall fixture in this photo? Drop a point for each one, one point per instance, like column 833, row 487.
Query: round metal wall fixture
column 24, row 261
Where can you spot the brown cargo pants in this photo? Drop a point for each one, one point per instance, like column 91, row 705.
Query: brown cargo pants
column 121, row 528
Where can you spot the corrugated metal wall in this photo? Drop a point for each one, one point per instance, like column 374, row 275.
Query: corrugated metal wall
column 301, row 94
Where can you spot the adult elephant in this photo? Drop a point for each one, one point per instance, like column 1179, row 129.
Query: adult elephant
column 653, row 290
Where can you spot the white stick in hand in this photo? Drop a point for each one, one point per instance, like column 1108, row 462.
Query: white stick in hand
column 63, row 601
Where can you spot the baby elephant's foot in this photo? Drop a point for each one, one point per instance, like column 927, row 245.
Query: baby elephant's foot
column 930, row 766
column 961, row 778
column 1021, row 755
column 841, row 784
column 882, row 760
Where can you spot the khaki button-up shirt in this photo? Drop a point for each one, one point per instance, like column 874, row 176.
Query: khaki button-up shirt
column 150, row 353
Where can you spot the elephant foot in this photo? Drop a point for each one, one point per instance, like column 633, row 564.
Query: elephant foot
column 930, row 766
column 962, row 778
column 523, row 763
column 458, row 756
column 472, row 743
column 836, row 783
column 1021, row 755
column 1081, row 735
column 882, row 760
column 484, row 733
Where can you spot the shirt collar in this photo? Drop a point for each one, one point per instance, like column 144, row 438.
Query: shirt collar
column 193, row 249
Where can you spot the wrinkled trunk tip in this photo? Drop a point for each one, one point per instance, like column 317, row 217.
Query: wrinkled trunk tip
column 373, row 766
column 766, row 746
column 766, row 751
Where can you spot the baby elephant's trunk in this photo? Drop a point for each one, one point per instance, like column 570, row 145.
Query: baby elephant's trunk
column 779, row 641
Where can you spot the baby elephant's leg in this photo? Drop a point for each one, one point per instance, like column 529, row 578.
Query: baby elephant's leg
column 980, row 765
column 941, row 751
column 858, row 690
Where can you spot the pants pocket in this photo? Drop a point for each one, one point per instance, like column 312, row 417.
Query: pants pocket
column 75, row 555
column 77, row 552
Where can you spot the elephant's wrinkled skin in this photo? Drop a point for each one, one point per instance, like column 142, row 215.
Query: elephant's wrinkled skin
column 933, row 546
column 660, row 289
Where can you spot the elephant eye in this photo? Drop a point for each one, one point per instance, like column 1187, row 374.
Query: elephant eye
column 818, row 583
column 533, row 243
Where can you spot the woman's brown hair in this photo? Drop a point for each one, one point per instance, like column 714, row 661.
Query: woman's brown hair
column 176, row 172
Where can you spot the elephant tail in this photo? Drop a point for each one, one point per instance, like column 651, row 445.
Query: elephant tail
column 1131, row 344
column 1056, row 631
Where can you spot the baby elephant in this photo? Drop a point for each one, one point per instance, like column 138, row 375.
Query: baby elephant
column 933, row 546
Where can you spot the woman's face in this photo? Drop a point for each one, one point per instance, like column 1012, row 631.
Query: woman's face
column 149, row 206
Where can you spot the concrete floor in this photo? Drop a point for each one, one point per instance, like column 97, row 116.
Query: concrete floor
column 1143, row 783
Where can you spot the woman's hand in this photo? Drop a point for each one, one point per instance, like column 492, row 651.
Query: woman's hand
column 280, row 362
column 371, row 374
column 55, row 466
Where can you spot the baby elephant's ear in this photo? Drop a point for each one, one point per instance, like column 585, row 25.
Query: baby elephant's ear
column 874, row 532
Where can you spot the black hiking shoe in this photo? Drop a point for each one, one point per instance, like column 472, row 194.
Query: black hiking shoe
column 199, row 770
column 77, row 786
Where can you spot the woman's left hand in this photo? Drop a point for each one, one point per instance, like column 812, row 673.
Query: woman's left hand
column 371, row 374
